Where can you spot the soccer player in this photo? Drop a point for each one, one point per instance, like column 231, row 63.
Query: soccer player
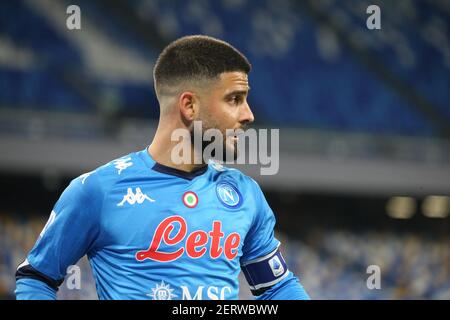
column 154, row 229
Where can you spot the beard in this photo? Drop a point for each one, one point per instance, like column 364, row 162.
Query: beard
column 229, row 146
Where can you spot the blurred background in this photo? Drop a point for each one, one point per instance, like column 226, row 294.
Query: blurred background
column 364, row 118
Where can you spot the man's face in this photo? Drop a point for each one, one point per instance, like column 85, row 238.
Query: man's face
column 225, row 106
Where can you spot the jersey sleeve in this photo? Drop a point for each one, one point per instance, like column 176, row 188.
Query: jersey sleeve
column 70, row 233
column 289, row 288
column 262, row 263
column 260, row 239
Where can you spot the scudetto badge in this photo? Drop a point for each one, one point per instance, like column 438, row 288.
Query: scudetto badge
column 190, row 199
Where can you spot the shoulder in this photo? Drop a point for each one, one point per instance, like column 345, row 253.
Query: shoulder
column 235, row 175
column 103, row 178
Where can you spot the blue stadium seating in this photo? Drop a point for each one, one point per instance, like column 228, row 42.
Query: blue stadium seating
column 294, row 83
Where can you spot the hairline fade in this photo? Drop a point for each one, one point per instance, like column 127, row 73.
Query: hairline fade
column 194, row 60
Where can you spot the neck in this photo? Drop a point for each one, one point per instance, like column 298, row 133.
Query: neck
column 162, row 145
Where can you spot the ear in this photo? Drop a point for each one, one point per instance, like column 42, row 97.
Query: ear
column 187, row 103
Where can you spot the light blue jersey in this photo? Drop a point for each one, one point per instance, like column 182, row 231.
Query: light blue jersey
column 154, row 232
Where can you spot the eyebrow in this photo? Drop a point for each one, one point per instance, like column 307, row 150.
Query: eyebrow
column 237, row 92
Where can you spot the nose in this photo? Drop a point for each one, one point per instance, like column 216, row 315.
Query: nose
column 246, row 114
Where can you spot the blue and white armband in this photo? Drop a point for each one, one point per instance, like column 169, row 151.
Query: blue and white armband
column 264, row 272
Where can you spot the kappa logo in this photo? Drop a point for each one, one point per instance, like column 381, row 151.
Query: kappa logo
column 162, row 291
column 228, row 195
column 133, row 198
column 122, row 164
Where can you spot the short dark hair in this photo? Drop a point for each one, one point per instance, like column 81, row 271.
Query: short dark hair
column 197, row 57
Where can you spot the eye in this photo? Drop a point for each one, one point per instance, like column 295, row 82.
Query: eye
column 236, row 99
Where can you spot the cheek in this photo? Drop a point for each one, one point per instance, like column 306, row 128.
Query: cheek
column 225, row 114
column 219, row 115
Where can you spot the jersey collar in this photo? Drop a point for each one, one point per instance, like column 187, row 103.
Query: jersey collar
column 179, row 173
column 169, row 170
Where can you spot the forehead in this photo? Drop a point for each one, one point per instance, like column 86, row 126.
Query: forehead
column 235, row 80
